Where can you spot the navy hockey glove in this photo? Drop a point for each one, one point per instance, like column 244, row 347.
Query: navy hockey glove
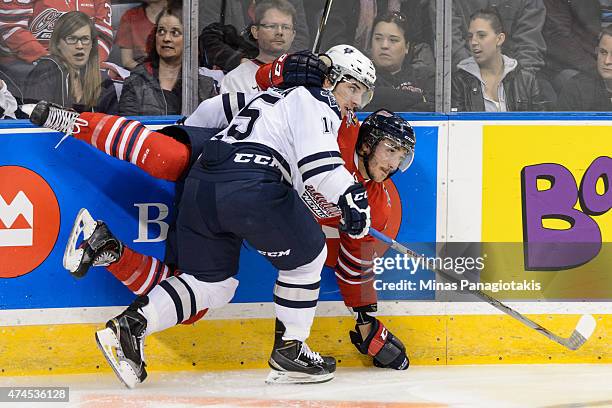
column 387, row 350
column 355, row 209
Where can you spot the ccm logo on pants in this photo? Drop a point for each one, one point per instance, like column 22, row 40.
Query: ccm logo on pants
column 277, row 254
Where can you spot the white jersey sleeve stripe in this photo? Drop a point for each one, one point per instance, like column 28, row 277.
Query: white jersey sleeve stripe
column 313, row 168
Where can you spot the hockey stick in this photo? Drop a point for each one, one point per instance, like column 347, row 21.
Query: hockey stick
column 322, row 24
column 582, row 332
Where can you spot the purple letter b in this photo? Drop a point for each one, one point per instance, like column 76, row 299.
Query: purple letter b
column 553, row 249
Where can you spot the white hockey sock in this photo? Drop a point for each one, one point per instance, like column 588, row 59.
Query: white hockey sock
column 295, row 297
column 180, row 297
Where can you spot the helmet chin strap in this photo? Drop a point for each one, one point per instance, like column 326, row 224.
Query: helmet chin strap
column 366, row 161
column 366, row 164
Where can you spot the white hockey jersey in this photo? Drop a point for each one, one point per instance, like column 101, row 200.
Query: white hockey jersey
column 217, row 112
column 299, row 125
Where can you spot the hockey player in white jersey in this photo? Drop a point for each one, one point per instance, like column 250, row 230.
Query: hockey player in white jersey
column 261, row 155
column 246, row 186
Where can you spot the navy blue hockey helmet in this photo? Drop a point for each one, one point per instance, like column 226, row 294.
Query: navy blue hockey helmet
column 387, row 125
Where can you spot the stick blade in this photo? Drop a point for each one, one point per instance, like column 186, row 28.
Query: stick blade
column 584, row 330
column 586, row 325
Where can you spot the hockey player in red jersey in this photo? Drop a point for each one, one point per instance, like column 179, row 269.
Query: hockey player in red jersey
column 372, row 152
column 26, row 26
column 382, row 145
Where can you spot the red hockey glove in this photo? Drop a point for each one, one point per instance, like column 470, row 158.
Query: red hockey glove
column 387, row 350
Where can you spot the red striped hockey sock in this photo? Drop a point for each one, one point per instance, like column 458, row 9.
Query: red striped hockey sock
column 159, row 155
column 139, row 272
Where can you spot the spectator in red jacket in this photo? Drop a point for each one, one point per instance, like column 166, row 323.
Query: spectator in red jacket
column 134, row 29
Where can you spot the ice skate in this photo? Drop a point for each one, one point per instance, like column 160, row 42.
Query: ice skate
column 98, row 248
column 122, row 343
column 292, row 362
column 56, row 117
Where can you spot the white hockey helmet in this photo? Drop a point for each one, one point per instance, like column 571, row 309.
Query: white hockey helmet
column 349, row 61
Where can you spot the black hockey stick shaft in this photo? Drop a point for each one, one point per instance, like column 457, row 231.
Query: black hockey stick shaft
column 577, row 339
column 322, row 24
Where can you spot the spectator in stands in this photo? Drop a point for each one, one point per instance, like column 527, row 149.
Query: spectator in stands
column 155, row 86
column 592, row 93
column 402, row 84
column 274, row 30
column 8, row 103
column 523, row 21
column 70, row 75
column 570, row 31
column 489, row 80
column 222, row 15
column 351, row 22
column 26, row 27
column 134, row 29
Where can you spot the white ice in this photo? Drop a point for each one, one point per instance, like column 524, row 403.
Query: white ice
column 520, row 386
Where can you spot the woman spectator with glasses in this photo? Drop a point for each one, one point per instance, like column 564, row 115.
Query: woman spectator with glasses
column 70, row 75
column 155, row 87
column 404, row 70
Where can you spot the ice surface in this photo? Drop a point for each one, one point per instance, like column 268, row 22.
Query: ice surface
column 520, row 386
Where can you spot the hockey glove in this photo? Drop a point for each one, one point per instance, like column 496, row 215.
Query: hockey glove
column 355, row 209
column 387, row 350
column 299, row 69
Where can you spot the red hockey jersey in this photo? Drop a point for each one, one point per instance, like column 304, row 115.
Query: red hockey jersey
column 353, row 266
column 26, row 26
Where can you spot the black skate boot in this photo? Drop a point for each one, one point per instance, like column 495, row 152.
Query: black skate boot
column 122, row 343
column 99, row 246
column 56, row 117
column 293, row 362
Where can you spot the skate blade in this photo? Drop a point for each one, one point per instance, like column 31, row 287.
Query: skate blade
column 108, row 344
column 85, row 224
column 287, row 377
